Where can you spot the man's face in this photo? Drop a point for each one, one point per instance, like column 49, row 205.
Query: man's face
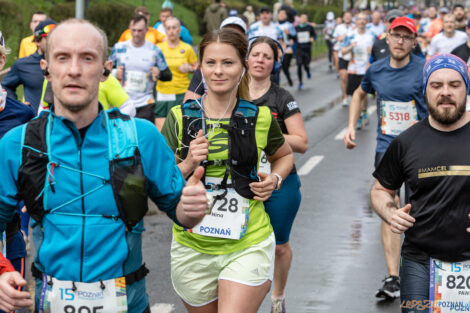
column 400, row 42
column 138, row 31
column 303, row 19
column 446, row 96
column 41, row 45
column 376, row 18
column 347, row 18
column 432, row 12
column 265, row 17
column 172, row 29
column 75, row 64
column 449, row 23
column 164, row 15
column 35, row 20
column 361, row 21
column 459, row 13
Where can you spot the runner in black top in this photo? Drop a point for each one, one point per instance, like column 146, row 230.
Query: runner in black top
column 283, row 204
column 432, row 157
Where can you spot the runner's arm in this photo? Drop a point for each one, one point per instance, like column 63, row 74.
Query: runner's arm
column 11, row 81
column 382, row 200
column 296, row 135
column 354, row 113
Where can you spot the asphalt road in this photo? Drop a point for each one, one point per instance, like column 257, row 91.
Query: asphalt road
column 338, row 258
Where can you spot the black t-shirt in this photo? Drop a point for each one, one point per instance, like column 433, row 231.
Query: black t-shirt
column 197, row 85
column 303, row 32
column 462, row 51
column 380, row 50
column 436, row 166
column 282, row 105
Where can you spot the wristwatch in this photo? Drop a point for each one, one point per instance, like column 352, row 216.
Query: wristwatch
column 279, row 181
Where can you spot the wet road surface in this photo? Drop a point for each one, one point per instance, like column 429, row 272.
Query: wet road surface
column 338, row 258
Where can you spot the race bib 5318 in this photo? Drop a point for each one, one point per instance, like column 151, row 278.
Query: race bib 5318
column 397, row 116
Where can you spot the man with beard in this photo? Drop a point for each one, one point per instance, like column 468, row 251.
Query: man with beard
column 432, row 157
column 460, row 21
column 400, row 103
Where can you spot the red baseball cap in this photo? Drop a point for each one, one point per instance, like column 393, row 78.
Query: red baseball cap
column 405, row 22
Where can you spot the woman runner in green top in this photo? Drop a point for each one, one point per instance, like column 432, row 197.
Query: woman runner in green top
column 225, row 263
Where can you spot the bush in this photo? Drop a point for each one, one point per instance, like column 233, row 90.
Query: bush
column 317, row 13
column 113, row 18
column 12, row 30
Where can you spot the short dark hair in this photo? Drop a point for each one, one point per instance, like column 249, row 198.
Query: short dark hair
column 139, row 17
column 38, row 13
column 142, row 10
column 458, row 5
column 166, row 10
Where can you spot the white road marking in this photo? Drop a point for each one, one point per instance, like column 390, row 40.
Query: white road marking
column 341, row 134
column 162, row 308
column 310, row 164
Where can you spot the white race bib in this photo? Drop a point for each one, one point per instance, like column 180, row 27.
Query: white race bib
column 397, row 116
column 449, row 288
column 229, row 216
column 86, row 298
column 468, row 103
column 360, row 55
column 264, row 165
column 165, row 97
column 303, row 37
column 136, row 81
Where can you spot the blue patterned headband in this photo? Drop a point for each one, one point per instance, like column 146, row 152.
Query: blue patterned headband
column 445, row 61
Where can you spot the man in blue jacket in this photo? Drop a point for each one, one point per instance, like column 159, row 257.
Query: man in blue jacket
column 27, row 71
column 85, row 175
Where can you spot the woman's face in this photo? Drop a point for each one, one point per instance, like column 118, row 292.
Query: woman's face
column 221, row 67
column 261, row 61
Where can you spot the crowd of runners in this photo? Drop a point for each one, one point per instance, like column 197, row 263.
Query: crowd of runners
column 209, row 137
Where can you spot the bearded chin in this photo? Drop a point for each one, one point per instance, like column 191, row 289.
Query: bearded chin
column 447, row 116
column 398, row 58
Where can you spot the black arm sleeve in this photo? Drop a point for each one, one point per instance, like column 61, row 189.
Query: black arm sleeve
column 389, row 172
column 165, row 75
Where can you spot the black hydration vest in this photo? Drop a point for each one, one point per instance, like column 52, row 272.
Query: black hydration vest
column 126, row 172
column 242, row 163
